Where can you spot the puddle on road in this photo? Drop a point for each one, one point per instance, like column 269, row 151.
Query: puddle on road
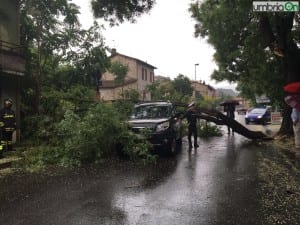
column 192, row 192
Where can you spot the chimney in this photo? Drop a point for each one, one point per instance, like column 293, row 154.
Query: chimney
column 113, row 51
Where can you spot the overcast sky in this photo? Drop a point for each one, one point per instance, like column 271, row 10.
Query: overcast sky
column 163, row 38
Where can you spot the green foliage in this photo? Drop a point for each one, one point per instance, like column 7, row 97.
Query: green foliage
column 206, row 129
column 58, row 52
column 124, row 108
column 54, row 104
column 158, row 91
column 177, row 90
column 78, row 140
column 119, row 10
column 88, row 139
column 137, row 149
column 132, row 95
column 182, row 85
column 208, row 102
column 119, row 70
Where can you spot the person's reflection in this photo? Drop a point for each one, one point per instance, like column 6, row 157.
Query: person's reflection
column 192, row 164
column 231, row 154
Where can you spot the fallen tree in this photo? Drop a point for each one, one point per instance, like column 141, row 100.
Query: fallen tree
column 219, row 118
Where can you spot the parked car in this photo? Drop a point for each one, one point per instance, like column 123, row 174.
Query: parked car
column 163, row 124
column 258, row 115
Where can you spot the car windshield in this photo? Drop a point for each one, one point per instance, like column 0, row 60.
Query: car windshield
column 258, row 111
column 151, row 112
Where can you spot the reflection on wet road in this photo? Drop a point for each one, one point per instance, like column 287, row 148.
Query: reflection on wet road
column 213, row 185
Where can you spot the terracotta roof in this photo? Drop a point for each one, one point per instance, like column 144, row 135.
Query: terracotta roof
column 138, row 60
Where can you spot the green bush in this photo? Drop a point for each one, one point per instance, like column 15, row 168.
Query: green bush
column 205, row 129
column 89, row 139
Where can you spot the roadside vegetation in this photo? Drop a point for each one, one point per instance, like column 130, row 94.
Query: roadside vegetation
column 74, row 130
column 279, row 177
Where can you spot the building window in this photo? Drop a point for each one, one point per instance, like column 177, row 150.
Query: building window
column 151, row 77
column 144, row 74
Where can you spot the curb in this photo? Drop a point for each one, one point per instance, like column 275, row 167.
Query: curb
column 8, row 161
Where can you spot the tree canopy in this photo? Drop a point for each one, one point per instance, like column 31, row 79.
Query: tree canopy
column 117, row 11
column 59, row 53
column 258, row 50
column 244, row 41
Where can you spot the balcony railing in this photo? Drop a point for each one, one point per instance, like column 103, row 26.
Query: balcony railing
column 11, row 47
column 12, row 60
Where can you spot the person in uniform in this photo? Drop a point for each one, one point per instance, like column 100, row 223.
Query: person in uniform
column 7, row 125
column 191, row 117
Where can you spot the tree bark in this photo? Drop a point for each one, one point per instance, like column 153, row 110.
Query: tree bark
column 221, row 119
column 280, row 37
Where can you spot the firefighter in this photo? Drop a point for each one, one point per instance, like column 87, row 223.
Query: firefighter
column 7, row 125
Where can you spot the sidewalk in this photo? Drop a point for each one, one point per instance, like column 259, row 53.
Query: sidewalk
column 6, row 163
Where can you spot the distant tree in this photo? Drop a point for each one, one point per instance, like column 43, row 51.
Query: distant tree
column 118, row 11
column 157, row 90
column 182, row 86
column 120, row 71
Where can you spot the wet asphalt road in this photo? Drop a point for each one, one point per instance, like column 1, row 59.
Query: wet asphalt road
column 213, row 185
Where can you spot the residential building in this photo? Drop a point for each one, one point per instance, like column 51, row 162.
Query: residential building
column 12, row 62
column 162, row 79
column 140, row 74
column 243, row 103
column 202, row 89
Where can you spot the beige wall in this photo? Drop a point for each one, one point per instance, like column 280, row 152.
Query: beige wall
column 136, row 70
column 203, row 89
column 132, row 67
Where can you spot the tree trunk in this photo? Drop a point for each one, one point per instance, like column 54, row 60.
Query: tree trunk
column 221, row 119
column 282, row 44
column 38, row 80
column 287, row 124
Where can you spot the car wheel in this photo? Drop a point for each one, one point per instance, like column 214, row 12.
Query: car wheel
column 247, row 122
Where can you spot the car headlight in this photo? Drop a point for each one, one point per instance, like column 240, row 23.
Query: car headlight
column 162, row 126
column 259, row 117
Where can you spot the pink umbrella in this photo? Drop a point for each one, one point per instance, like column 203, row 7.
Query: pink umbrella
column 293, row 101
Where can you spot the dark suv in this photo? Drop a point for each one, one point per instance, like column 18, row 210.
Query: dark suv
column 161, row 122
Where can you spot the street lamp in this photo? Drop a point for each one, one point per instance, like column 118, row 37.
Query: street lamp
column 196, row 64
